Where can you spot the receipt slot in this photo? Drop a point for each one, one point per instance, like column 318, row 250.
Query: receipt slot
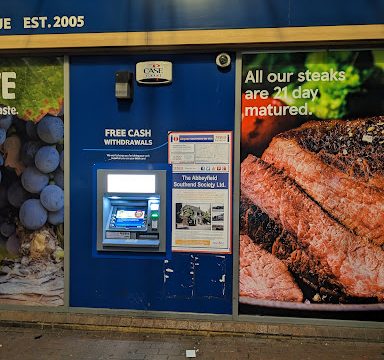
column 131, row 210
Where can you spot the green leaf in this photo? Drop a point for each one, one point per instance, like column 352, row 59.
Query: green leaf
column 378, row 56
column 39, row 86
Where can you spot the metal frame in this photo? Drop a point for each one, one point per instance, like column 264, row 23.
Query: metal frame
column 236, row 190
column 236, row 235
column 67, row 198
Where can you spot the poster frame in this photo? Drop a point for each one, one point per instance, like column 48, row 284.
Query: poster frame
column 229, row 249
column 65, row 307
column 278, row 318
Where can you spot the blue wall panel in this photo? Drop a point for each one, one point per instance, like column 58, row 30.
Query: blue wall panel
column 201, row 97
column 146, row 15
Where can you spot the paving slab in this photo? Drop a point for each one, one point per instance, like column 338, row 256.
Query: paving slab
column 317, row 328
column 25, row 343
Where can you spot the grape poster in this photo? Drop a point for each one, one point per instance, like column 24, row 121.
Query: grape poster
column 32, row 181
column 312, row 184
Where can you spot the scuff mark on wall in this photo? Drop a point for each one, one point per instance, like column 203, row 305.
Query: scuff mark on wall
column 191, row 276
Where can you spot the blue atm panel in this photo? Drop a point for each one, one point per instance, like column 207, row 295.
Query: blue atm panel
column 201, row 97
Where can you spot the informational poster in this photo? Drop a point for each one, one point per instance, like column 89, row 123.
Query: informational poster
column 32, row 181
column 201, row 194
column 312, row 183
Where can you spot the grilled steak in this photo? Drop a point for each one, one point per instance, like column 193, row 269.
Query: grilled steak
column 340, row 164
column 351, row 260
column 272, row 237
column 262, row 276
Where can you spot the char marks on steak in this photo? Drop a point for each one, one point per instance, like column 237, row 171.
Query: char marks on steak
column 263, row 276
column 351, row 260
column 354, row 147
column 272, row 237
column 340, row 171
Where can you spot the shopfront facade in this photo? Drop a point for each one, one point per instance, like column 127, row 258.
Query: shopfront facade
column 207, row 160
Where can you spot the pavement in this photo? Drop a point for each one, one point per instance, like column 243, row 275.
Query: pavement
column 30, row 343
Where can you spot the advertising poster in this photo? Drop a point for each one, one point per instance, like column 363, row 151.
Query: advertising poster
column 32, row 181
column 312, row 183
column 201, row 188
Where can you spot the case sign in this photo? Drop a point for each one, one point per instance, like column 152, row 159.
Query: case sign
column 154, row 72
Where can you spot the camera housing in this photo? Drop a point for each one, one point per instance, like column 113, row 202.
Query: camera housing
column 223, row 60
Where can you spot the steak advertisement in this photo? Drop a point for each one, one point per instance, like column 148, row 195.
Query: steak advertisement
column 312, row 181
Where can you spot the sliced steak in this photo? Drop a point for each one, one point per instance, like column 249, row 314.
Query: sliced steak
column 340, row 164
column 263, row 276
column 351, row 260
column 272, row 237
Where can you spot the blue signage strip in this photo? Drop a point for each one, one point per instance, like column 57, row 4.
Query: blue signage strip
column 23, row 17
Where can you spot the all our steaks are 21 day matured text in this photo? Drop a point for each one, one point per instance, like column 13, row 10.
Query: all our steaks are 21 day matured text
column 258, row 76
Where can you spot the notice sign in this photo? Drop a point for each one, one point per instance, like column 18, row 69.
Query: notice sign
column 201, row 194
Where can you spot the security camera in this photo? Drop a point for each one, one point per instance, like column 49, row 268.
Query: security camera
column 223, row 60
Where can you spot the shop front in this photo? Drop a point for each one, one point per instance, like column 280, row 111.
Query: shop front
column 190, row 160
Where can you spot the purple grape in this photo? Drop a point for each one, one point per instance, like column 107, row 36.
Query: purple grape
column 47, row 159
column 5, row 121
column 17, row 194
column 31, row 129
column 62, row 160
column 33, row 180
column 56, row 217
column 52, row 198
column 50, row 129
column 32, row 214
column 19, row 125
column 59, row 178
column 28, row 152
column 3, row 135
column 7, row 229
column 3, row 197
column 13, row 244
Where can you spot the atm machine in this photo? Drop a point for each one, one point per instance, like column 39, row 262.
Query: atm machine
column 131, row 212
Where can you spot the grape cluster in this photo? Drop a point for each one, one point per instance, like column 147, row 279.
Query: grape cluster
column 31, row 175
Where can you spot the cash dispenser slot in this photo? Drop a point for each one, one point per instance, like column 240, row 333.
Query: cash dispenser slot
column 132, row 220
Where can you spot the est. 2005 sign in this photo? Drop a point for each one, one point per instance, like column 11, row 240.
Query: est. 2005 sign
column 42, row 22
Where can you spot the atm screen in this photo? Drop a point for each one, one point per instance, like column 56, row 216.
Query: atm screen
column 129, row 219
